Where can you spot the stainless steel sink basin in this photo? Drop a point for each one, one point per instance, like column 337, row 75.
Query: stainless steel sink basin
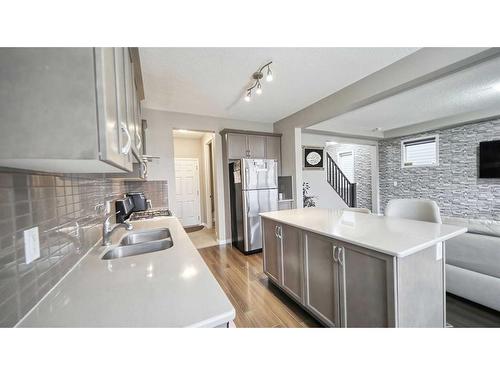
column 138, row 248
column 145, row 236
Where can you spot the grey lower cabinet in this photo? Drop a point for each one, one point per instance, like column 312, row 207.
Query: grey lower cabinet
column 322, row 281
column 343, row 285
column 272, row 258
column 66, row 110
column 292, row 269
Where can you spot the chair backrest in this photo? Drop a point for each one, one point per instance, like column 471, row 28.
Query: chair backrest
column 360, row 210
column 414, row 209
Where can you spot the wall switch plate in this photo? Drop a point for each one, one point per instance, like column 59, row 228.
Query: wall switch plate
column 31, row 245
column 395, row 183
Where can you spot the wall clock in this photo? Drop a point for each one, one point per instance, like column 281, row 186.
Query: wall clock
column 313, row 157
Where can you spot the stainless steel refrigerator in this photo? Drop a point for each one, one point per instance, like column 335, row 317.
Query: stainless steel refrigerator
column 253, row 189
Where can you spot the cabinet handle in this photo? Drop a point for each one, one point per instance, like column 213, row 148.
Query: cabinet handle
column 280, row 233
column 277, row 231
column 126, row 148
column 340, row 256
column 333, row 252
column 139, row 144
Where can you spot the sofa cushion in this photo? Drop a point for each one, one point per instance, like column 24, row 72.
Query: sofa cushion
column 475, row 252
column 480, row 226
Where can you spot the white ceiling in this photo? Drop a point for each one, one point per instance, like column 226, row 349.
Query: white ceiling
column 212, row 81
column 474, row 89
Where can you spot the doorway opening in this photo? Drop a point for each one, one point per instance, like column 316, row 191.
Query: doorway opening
column 195, row 185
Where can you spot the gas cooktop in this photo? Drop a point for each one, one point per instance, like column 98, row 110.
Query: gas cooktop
column 149, row 214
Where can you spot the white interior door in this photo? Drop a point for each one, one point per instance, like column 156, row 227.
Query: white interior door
column 187, row 186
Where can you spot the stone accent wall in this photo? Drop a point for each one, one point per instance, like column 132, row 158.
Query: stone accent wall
column 454, row 183
column 63, row 208
column 362, row 170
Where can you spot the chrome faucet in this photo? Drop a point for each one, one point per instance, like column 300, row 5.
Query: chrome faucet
column 108, row 229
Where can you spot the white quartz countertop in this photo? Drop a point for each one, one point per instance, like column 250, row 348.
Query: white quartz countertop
column 396, row 237
column 168, row 288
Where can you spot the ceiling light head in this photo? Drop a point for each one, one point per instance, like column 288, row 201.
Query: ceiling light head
column 496, row 86
column 258, row 91
column 248, row 96
column 269, row 74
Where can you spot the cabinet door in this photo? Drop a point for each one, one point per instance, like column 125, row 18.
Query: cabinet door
column 138, row 126
column 121, row 106
column 130, row 86
column 367, row 293
column 272, row 250
column 237, row 146
column 322, row 279
column 292, row 261
column 257, row 146
column 110, row 129
column 273, row 148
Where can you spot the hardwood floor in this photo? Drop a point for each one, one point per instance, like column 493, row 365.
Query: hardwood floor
column 258, row 303
column 461, row 313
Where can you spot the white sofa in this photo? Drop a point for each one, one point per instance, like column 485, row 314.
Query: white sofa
column 473, row 261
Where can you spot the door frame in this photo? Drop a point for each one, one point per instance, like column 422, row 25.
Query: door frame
column 198, row 199
column 209, row 145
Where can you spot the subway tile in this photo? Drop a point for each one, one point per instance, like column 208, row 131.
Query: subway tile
column 50, row 201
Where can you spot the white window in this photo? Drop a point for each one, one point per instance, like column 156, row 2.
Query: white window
column 420, row 152
column 346, row 164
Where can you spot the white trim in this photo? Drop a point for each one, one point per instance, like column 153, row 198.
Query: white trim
column 409, row 140
column 207, row 166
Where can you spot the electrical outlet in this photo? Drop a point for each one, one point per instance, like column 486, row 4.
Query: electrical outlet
column 395, row 183
column 31, row 245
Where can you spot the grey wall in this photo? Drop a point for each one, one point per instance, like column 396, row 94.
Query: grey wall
column 454, row 184
column 54, row 203
column 362, row 170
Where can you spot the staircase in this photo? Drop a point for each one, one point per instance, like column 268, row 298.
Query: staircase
column 339, row 182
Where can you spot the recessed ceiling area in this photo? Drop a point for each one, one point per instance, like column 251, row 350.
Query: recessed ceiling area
column 472, row 90
column 212, row 81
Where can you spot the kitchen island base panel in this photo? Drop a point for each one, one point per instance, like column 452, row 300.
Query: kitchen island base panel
column 345, row 285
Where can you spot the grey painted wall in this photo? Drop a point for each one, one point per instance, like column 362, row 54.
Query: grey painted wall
column 54, row 203
column 362, row 170
column 454, row 184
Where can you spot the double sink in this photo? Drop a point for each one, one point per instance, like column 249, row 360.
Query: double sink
column 141, row 242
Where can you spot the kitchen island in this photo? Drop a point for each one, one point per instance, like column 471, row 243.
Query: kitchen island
column 167, row 288
column 351, row 269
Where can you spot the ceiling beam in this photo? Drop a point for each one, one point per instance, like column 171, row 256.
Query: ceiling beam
column 444, row 123
column 422, row 66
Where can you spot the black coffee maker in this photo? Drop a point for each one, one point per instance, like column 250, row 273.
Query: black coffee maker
column 139, row 200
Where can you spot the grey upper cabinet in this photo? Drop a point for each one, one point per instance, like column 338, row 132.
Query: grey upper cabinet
column 125, row 132
column 292, row 261
column 322, row 279
column 64, row 110
column 256, row 145
column 237, row 146
column 272, row 254
column 273, row 148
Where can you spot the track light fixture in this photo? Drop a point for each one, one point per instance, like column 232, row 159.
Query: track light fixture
column 257, row 76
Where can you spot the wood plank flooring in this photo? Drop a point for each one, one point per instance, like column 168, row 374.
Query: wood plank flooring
column 258, row 303
column 461, row 313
